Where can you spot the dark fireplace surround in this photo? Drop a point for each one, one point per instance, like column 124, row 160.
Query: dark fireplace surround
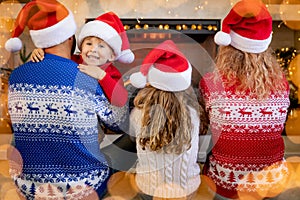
column 144, row 34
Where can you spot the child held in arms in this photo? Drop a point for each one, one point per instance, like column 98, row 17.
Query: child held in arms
column 101, row 42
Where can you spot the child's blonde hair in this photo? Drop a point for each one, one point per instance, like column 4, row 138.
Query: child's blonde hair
column 166, row 121
column 259, row 73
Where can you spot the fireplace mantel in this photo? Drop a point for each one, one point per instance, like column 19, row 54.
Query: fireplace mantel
column 157, row 30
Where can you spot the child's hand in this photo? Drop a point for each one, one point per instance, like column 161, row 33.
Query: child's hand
column 93, row 71
column 37, row 55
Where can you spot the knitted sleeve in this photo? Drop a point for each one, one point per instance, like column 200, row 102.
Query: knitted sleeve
column 113, row 86
column 112, row 117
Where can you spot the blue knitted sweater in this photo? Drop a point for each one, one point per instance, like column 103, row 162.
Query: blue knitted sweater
column 53, row 109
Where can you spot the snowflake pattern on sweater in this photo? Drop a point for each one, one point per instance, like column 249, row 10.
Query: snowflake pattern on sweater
column 248, row 149
column 54, row 108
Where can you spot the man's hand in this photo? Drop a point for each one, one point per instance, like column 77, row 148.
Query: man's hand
column 93, row 71
column 37, row 55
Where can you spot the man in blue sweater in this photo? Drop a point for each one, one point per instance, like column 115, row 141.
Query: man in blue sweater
column 54, row 110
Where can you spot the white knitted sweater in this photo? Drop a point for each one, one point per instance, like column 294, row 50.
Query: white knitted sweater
column 167, row 175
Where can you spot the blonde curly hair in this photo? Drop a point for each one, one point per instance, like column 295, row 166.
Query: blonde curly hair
column 166, row 122
column 259, row 73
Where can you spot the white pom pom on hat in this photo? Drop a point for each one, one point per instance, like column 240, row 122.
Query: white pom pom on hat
column 13, row 44
column 138, row 80
column 165, row 68
column 222, row 38
column 126, row 56
column 247, row 27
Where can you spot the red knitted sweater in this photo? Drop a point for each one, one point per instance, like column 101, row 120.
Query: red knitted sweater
column 248, row 149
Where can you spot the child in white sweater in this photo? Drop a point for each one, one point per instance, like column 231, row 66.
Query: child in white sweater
column 165, row 121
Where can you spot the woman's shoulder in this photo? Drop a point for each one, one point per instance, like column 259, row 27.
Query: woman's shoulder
column 211, row 82
column 207, row 79
column 208, row 76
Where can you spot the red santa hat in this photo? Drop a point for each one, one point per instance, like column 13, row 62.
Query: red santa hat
column 247, row 27
column 49, row 22
column 109, row 28
column 165, row 68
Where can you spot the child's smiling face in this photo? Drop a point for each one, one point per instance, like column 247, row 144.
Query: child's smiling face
column 95, row 51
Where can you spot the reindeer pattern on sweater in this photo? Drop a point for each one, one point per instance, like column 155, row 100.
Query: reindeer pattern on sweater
column 54, row 110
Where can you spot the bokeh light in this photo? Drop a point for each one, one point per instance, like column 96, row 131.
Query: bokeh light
column 8, row 12
column 115, row 6
column 251, row 5
column 4, row 164
column 292, row 124
column 211, row 185
column 11, row 195
column 294, row 70
column 169, row 3
column 15, row 160
column 290, row 183
column 169, row 187
column 206, row 189
column 268, row 182
column 146, row 7
column 114, row 198
column 289, row 13
column 294, row 167
column 122, row 184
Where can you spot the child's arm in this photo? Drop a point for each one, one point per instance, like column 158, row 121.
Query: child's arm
column 93, row 71
column 37, row 55
column 111, row 82
column 114, row 86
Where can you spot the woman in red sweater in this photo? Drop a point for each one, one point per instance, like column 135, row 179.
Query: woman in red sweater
column 247, row 97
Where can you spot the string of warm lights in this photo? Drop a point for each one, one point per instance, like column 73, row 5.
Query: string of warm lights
column 178, row 27
column 285, row 55
column 189, row 26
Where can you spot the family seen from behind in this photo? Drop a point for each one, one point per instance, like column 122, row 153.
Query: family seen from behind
column 59, row 100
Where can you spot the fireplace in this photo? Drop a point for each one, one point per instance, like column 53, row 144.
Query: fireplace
column 194, row 37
